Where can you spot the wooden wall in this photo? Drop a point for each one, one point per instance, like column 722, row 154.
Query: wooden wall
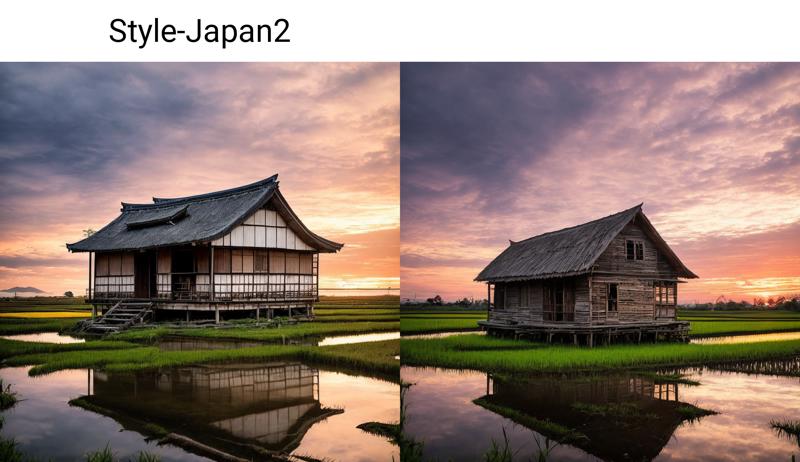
column 614, row 259
column 265, row 229
column 523, row 301
column 113, row 274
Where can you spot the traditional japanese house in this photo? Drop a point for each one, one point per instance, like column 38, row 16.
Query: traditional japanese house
column 610, row 277
column 238, row 249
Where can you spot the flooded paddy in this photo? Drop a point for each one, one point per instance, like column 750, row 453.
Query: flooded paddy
column 246, row 410
column 177, row 343
column 46, row 337
column 749, row 338
column 621, row 416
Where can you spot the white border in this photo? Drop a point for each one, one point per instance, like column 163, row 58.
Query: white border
column 414, row 30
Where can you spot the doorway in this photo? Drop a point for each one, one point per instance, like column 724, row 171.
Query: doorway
column 559, row 301
column 144, row 267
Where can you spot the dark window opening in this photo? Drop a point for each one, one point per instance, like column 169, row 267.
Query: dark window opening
column 612, row 297
column 634, row 250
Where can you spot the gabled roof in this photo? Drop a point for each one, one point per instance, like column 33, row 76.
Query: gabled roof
column 195, row 219
column 571, row 251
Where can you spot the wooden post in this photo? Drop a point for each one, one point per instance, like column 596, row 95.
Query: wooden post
column 591, row 339
column 211, row 271
column 488, row 299
column 90, row 276
column 258, row 313
column 216, row 314
column 187, row 314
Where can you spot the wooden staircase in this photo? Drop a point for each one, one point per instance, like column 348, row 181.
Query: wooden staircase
column 120, row 317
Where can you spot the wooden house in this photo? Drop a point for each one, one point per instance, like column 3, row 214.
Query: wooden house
column 238, row 249
column 610, row 277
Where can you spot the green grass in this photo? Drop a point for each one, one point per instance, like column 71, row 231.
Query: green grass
column 12, row 326
column 243, row 332
column 44, row 304
column 658, row 377
column 430, row 326
column 10, row 348
column 8, row 398
column 761, row 315
column 503, row 355
column 717, row 328
column 545, row 427
column 378, row 357
column 355, row 311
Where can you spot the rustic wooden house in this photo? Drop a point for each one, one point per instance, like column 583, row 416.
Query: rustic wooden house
column 606, row 278
column 238, row 249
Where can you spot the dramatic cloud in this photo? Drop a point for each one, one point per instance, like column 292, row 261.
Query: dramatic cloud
column 76, row 139
column 493, row 152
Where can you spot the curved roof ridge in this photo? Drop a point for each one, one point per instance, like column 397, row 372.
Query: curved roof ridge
column 168, row 202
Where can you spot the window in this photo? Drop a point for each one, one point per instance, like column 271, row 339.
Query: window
column 611, row 298
column 634, row 250
column 665, row 292
column 261, row 262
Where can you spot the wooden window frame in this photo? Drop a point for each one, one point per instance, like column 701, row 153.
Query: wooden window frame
column 634, row 249
column 612, row 307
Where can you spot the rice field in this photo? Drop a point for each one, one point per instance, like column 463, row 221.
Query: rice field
column 375, row 357
column 514, row 356
column 428, row 321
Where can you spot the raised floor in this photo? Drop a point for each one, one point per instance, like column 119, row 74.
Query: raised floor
column 592, row 334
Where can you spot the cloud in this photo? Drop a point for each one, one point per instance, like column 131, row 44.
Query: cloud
column 77, row 139
column 496, row 151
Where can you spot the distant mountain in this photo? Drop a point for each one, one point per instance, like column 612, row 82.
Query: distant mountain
column 28, row 290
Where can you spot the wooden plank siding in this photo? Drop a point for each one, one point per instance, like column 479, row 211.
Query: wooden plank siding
column 523, row 301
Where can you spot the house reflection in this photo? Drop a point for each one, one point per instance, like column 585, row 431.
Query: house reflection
column 618, row 417
column 247, row 410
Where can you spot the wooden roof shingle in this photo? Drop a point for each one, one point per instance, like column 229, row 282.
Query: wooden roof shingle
column 195, row 219
column 571, row 251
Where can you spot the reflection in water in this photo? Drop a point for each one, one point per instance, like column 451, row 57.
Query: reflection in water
column 446, row 334
column 624, row 417
column 360, row 338
column 49, row 337
column 228, row 407
column 177, row 343
column 618, row 417
column 246, row 410
column 753, row 338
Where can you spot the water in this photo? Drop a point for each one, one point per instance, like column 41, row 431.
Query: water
column 47, row 337
column 753, row 338
column 360, row 338
column 242, row 409
column 647, row 423
column 173, row 343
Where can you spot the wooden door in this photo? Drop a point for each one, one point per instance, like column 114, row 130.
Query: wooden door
column 144, row 267
column 569, row 301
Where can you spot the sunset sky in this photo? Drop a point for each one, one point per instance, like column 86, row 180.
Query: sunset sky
column 77, row 139
column 493, row 152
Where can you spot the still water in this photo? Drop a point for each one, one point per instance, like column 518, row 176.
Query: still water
column 245, row 410
column 47, row 337
column 175, row 343
column 622, row 416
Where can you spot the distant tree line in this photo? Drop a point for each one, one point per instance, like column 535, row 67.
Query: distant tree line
column 785, row 303
column 437, row 301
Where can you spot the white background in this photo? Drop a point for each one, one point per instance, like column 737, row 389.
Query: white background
column 412, row 30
